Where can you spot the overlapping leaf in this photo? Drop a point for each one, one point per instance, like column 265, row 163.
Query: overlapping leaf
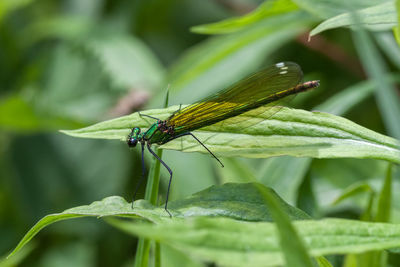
column 234, row 243
column 237, row 201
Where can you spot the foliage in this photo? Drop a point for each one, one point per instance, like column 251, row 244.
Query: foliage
column 86, row 67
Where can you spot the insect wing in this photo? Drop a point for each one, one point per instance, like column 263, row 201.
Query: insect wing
column 257, row 90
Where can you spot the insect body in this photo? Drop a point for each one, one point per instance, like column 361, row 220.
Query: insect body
column 264, row 88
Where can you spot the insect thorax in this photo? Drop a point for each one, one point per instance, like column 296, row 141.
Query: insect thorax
column 165, row 128
column 159, row 133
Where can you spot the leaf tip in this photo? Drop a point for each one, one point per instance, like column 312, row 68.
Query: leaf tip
column 67, row 132
column 197, row 29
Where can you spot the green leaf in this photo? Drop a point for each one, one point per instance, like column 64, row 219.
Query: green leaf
column 323, row 262
column 358, row 189
column 350, row 260
column 353, row 190
column 286, row 181
column 329, row 8
column 110, row 206
column 386, row 96
column 397, row 28
column 127, row 60
column 368, row 215
column 306, row 196
column 379, row 17
column 18, row 258
column 390, row 47
column 239, row 201
column 236, row 243
column 289, row 132
column 265, row 10
column 292, row 245
column 222, row 60
column 385, row 198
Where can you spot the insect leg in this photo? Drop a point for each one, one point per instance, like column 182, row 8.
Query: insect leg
column 209, row 151
column 170, row 176
column 145, row 115
column 176, row 111
column 141, row 178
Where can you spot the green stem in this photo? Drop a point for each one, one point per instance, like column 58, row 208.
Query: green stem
column 142, row 255
column 157, row 255
column 153, row 179
column 151, row 194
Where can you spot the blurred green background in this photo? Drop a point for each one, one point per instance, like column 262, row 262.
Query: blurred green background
column 68, row 64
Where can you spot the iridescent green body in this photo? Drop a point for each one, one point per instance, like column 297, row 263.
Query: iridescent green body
column 158, row 133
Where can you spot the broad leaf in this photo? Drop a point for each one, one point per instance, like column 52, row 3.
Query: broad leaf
column 234, row 243
column 238, row 201
column 289, row 132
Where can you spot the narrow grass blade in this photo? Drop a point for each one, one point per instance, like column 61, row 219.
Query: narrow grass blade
column 292, row 246
column 379, row 17
column 387, row 99
column 385, row 198
column 267, row 9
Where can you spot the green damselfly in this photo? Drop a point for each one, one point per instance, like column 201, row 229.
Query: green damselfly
column 266, row 87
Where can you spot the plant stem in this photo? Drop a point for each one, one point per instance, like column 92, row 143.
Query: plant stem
column 143, row 249
column 157, row 255
column 151, row 194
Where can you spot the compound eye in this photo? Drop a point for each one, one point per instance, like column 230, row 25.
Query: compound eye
column 132, row 142
column 136, row 130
